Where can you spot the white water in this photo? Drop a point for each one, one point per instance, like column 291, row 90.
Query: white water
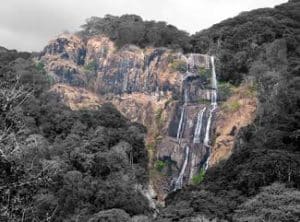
column 212, row 109
column 197, row 132
column 214, row 77
column 179, row 181
column 213, row 105
column 186, row 96
column 180, row 123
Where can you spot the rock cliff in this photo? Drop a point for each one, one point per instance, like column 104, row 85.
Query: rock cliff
column 163, row 89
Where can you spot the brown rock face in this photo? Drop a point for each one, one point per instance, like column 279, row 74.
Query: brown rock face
column 170, row 93
column 96, row 64
column 237, row 112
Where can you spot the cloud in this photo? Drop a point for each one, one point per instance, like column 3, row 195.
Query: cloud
column 28, row 25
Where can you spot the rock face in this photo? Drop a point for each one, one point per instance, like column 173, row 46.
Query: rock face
column 238, row 111
column 97, row 63
column 169, row 92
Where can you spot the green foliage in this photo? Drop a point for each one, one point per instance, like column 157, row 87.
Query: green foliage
column 92, row 66
column 203, row 101
column 131, row 29
column 204, row 73
column 231, row 106
column 159, row 118
column 179, row 65
column 198, row 178
column 40, row 66
column 225, row 90
column 159, row 165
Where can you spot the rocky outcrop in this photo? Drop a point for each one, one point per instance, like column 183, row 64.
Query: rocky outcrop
column 238, row 111
column 162, row 89
column 77, row 97
column 99, row 65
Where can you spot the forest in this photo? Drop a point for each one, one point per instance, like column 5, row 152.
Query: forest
column 57, row 164
column 72, row 164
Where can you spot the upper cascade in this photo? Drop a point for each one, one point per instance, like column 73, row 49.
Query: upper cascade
column 97, row 64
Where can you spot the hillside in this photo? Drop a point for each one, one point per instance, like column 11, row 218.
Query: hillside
column 262, row 45
column 134, row 120
column 62, row 165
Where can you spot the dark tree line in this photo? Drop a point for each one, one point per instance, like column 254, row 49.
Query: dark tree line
column 131, row 29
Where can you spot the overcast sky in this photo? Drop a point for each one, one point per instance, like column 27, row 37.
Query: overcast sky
column 29, row 24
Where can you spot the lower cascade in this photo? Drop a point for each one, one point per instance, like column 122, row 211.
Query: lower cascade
column 199, row 126
column 195, row 123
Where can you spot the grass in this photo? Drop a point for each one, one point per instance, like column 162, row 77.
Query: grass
column 251, row 90
column 231, row 106
column 159, row 119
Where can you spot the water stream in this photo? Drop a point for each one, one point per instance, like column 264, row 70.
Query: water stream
column 179, row 181
column 211, row 111
column 198, row 138
column 198, row 128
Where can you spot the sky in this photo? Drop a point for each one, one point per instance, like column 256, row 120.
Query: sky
column 27, row 25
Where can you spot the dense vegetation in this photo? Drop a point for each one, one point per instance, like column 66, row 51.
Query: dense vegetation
column 260, row 46
column 62, row 165
column 131, row 29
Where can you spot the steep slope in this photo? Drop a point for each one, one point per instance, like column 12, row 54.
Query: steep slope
column 146, row 85
column 163, row 89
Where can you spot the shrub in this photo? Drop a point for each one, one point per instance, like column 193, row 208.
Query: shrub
column 40, row 66
column 159, row 165
column 225, row 90
column 204, row 73
column 179, row 65
column 159, row 118
column 198, row 178
column 92, row 66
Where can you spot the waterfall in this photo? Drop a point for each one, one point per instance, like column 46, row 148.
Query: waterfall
column 179, row 181
column 197, row 133
column 180, row 123
column 186, row 96
column 211, row 111
column 207, row 131
column 214, row 77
